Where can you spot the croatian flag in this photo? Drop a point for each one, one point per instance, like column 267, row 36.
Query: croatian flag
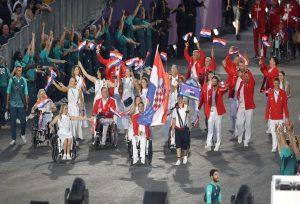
column 157, row 96
column 206, row 33
column 52, row 77
column 219, row 41
column 164, row 56
column 116, row 54
column 266, row 43
column 42, row 103
column 115, row 62
column 132, row 61
column 139, row 64
column 81, row 45
column 187, row 36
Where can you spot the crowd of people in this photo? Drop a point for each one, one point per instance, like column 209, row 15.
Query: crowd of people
column 117, row 69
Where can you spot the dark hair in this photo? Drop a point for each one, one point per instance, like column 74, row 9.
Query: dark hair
column 141, row 103
column 17, row 6
column 216, row 77
column 16, row 55
column 277, row 79
column 275, row 60
column 282, row 72
column 212, row 172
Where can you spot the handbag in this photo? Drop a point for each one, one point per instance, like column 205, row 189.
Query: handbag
column 127, row 102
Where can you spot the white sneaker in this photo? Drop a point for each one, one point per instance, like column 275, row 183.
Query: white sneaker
column 240, row 140
column 208, row 148
column 246, row 145
column 24, row 138
column 18, row 121
column 134, row 161
column 5, row 127
column 274, row 150
column 143, row 160
column 13, row 142
column 68, row 157
column 185, row 159
column 178, row 162
column 216, row 149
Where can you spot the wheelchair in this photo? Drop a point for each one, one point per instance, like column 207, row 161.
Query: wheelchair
column 57, row 147
column 38, row 136
column 148, row 151
column 112, row 134
column 281, row 50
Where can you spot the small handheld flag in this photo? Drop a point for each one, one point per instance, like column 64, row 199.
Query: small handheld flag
column 164, row 56
column 187, row 36
column 219, row 41
column 50, row 80
column 81, row 45
column 116, row 54
column 206, row 33
column 115, row 62
column 132, row 61
column 139, row 64
column 195, row 40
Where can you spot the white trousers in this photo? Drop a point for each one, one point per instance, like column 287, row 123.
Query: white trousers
column 76, row 129
column 214, row 123
column 272, row 124
column 135, row 140
column 105, row 123
column 243, row 124
column 232, row 113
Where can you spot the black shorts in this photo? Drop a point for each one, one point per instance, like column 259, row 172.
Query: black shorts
column 182, row 141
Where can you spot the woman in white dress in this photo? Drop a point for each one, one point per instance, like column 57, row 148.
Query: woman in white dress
column 82, row 86
column 99, row 81
column 75, row 101
column 46, row 106
column 64, row 122
column 144, row 90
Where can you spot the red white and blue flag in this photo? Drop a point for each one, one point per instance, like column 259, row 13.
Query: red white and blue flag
column 52, row 77
column 164, row 56
column 132, row 61
column 206, row 33
column 115, row 62
column 91, row 45
column 266, row 43
column 139, row 65
column 157, row 95
column 187, row 36
column 219, row 41
column 116, row 54
column 42, row 103
column 81, row 45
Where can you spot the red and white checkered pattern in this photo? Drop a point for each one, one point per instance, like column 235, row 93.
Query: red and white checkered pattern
column 159, row 97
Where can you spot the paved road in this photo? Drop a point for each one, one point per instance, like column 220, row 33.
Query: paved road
column 26, row 175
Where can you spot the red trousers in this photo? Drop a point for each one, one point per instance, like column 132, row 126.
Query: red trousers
column 257, row 34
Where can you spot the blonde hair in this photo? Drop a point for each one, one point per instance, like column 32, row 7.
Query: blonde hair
column 40, row 92
column 61, row 110
column 73, row 70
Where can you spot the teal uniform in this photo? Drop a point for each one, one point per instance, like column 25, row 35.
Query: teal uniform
column 44, row 57
column 15, row 98
column 148, row 37
column 128, row 32
column 121, row 43
column 213, row 193
column 57, row 52
column 288, row 161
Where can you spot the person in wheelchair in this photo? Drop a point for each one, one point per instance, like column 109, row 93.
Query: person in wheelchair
column 45, row 107
column 104, row 107
column 63, row 120
column 140, row 135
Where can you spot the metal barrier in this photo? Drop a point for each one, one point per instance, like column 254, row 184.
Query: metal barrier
column 66, row 13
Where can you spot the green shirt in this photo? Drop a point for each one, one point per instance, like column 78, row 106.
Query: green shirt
column 121, row 42
column 140, row 33
column 288, row 161
column 213, row 193
column 57, row 52
column 128, row 29
column 15, row 97
column 44, row 56
column 31, row 75
column 4, row 76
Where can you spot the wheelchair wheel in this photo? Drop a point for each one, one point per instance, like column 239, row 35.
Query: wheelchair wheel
column 55, row 150
column 34, row 139
column 149, row 152
column 114, row 135
column 86, row 196
column 74, row 149
column 67, row 191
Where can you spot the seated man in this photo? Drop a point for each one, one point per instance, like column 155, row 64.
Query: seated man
column 140, row 134
column 104, row 107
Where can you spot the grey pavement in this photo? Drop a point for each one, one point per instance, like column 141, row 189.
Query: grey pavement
column 26, row 175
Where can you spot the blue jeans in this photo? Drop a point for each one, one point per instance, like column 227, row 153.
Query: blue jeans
column 20, row 113
column 3, row 104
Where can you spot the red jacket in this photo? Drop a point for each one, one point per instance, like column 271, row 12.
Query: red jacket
column 274, row 19
column 104, row 110
column 231, row 70
column 199, row 64
column 277, row 110
column 269, row 74
column 136, row 125
column 248, row 89
column 206, row 99
column 110, row 73
column 293, row 11
column 258, row 14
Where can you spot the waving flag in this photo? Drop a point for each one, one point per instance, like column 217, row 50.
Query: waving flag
column 219, row 41
column 206, row 33
column 139, row 64
column 132, row 61
column 115, row 62
column 266, row 43
column 187, row 36
column 157, row 95
column 50, row 80
column 81, row 45
column 164, row 56
column 116, row 54
column 42, row 103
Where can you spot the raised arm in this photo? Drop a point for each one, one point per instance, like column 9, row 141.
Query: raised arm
column 136, row 10
column 89, row 77
column 186, row 52
column 61, row 87
column 110, row 16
